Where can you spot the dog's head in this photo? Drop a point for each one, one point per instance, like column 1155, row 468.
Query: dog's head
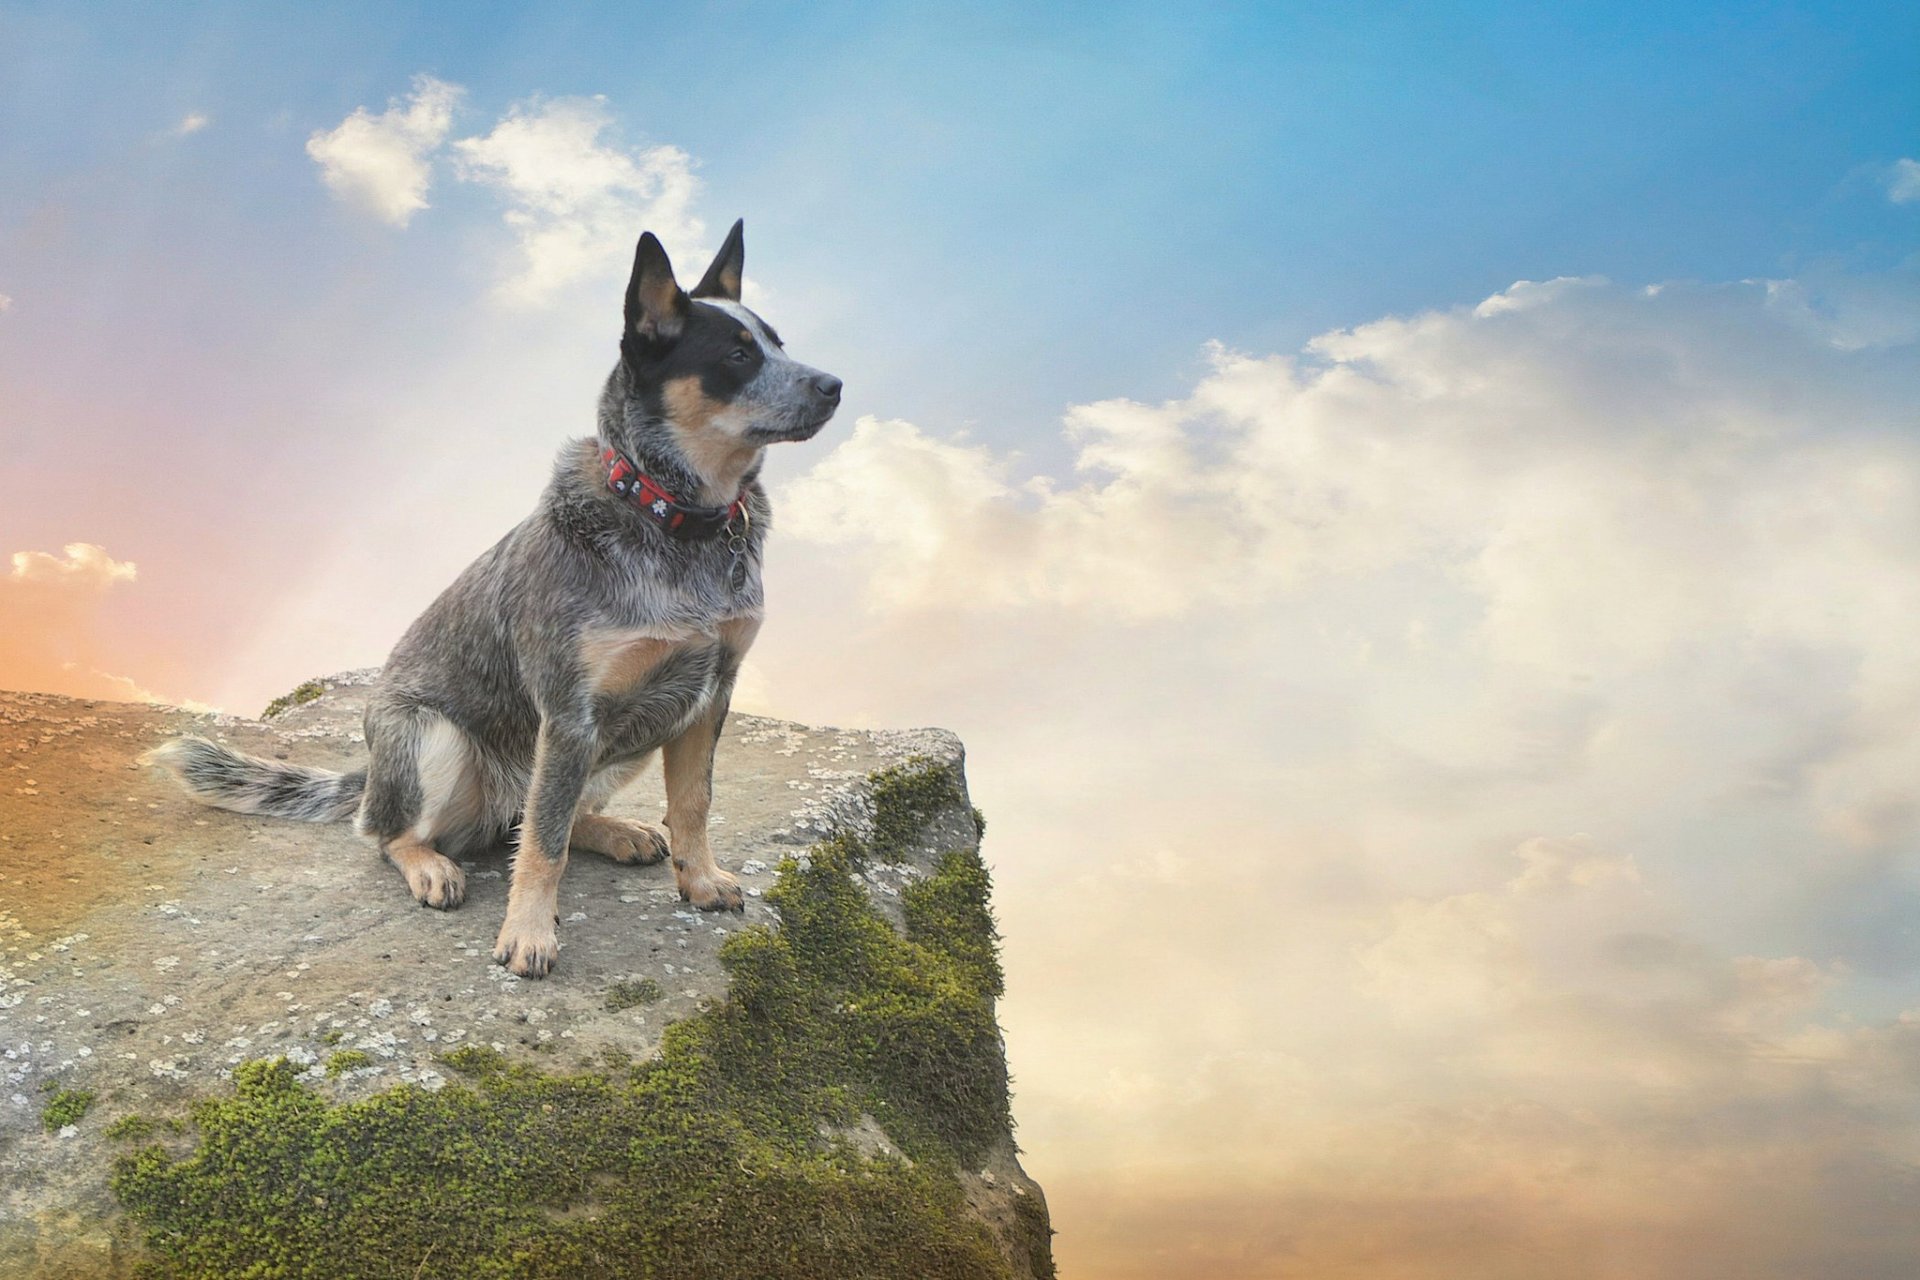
column 713, row 370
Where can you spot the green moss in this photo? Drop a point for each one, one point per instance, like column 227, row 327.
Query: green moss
column 906, row 797
column 130, row 1128
column 627, row 995
column 475, row 1060
column 64, row 1108
column 706, row 1161
column 345, row 1060
column 299, row 695
column 1033, row 1234
column 333, row 1037
column 951, row 912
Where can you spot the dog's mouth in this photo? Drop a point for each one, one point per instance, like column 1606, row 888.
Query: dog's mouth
column 794, row 434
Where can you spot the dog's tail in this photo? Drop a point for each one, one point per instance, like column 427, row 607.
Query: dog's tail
column 227, row 779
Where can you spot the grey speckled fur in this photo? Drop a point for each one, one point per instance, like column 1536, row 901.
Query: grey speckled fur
column 501, row 655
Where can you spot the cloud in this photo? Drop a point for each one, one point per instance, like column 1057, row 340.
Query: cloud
column 83, row 565
column 49, row 608
column 572, row 195
column 573, row 199
column 1609, row 473
column 195, row 121
column 382, row 163
column 1903, row 181
column 1493, row 733
column 6, row 303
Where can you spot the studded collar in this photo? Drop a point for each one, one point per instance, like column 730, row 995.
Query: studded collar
column 650, row 498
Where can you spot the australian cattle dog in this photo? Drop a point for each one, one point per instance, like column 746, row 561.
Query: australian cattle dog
column 607, row 625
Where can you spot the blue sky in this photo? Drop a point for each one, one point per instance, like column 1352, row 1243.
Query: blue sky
column 1087, row 193
column 1414, row 510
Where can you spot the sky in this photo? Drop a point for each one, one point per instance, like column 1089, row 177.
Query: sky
column 1414, row 510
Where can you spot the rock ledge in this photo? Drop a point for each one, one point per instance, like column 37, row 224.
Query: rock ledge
column 149, row 948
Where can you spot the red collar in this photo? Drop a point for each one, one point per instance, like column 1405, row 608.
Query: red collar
column 650, row 498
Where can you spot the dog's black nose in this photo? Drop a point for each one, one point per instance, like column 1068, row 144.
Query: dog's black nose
column 827, row 386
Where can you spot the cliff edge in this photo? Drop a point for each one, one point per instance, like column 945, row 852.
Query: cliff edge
column 235, row 1046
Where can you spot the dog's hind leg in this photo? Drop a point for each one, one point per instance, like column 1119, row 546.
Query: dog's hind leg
column 620, row 839
column 434, row 878
column 422, row 787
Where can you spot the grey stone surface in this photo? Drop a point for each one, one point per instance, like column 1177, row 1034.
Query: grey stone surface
column 148, row 945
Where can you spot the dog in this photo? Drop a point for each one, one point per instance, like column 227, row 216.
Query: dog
column 607, row 626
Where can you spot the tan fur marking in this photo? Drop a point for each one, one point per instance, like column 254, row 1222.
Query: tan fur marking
column 737, row 634
column 708, row 435
column 528, row 943
column 689, row 797
column 616, row 661
column 619, row 839
column 688, row 764
column 434, row 878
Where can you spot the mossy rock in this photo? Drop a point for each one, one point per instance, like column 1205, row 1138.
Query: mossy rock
column 298, row 696
column 818, row 1088
column 736, row 1151
column 68, row 1106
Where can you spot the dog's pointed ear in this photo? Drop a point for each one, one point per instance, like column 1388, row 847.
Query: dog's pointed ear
column 656, row 305
column 723, row 277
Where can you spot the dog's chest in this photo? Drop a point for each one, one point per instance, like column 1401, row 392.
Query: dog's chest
column 648, row 687
column 626, row 664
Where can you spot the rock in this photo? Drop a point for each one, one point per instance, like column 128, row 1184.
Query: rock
column 150, row 949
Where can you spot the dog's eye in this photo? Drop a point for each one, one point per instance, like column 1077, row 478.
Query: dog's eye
column 740, row 355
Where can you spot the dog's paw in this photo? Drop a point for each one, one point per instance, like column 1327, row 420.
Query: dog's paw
column 529, row 952
column 634, row 843
column 434, row 879
column 711, row 889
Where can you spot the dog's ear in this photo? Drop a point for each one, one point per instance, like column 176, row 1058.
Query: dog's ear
column 723, row 277
column 656, row 305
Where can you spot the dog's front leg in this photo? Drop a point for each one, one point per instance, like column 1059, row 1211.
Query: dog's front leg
column 688, row 763
column 562, row 761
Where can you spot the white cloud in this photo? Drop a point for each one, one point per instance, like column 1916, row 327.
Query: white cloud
column 1570, row 449
column 82, row 564
column 1295, row 689
column 193, row 122
column 575, row 201
column 382, row 162
column 1903, row 181
column 6, row 302
column 574, row 198
column 49, row 608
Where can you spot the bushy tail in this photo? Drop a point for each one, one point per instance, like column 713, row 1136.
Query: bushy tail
column 227, row 779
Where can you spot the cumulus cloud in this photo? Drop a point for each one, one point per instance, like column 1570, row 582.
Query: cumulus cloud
column 573, row 197
column 1903, row 181
column 193, row 122
column 1546, row 421
column 573, row 194
column 49, row 606
column 82, row 564
column 1493, row 731
column 382, row 163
